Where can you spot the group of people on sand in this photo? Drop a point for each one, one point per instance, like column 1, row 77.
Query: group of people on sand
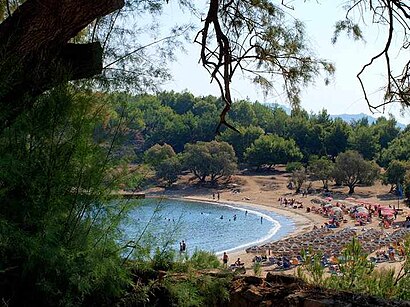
column 238, row 263
column 285, row 202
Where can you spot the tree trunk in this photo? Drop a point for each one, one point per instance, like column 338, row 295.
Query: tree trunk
column 351, row 189
column 35, row 54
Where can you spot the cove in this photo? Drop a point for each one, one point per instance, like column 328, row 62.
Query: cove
column 202, row 225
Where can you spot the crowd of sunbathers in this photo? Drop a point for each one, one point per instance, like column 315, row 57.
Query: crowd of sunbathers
column 330, row 244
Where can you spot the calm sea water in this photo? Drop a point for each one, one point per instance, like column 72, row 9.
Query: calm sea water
column 204, row 225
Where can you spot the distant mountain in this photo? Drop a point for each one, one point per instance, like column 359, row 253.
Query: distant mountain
column 355, row 117
column 346, row 117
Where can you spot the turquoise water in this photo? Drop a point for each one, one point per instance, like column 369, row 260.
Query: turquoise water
column 200, row 224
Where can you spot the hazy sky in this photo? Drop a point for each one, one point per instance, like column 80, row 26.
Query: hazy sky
column 343, row 95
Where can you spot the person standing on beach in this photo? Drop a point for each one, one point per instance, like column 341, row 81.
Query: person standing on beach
column 182, row 246
column 225, row 259
column 218, row 196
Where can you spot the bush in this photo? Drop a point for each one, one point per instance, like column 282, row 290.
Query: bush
column 293, row 166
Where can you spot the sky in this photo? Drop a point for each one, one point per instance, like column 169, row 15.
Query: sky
column 342, row 95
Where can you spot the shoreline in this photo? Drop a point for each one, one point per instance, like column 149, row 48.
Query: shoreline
column 301, row 221
column 263, row 191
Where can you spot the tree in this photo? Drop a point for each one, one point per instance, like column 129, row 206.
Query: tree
column 241, row 141
column 37, row 55
column 213, row 159
column 169, row 169
column 158, row 153
column 242, row 113
column 394, row 15
column 385, row 130
column 406, row 187
column 264, row 115
column 181, row 103
column 59, row 229
column 321, row 169
column 398, row 149
column 351, row 169
column 260, row 42
column 307, row 135
column 298, row 178
column 395, row 173
column 336, row 138
column 279, row 124
column 33, row 49
column 364, row 141
column 271, row 150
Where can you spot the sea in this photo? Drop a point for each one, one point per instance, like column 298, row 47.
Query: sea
column 206, row 226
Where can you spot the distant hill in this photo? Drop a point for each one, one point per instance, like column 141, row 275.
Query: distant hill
column 346, row 117
column 355, row 117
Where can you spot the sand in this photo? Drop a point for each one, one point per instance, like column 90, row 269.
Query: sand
column 262, row 191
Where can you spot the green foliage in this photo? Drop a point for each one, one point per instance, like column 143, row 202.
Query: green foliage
column 257, row 268
column 336, row 137
column 386, row 130
column 59, row 225
column 395, row 173
column 271, row 150
column 406, row 188
column 398, row 149
column 199, row 291
column 204, row 260
column 158, row 153
column 321, row 169
column 352, row 29
column 241, row 141
column 298, row 178
column 213, row 159
column 354, row 268
column 183, row 281
column 312, row 270
column 357, row 274
column 242, row 113
column 307, row 135
column 363, row 140
column 169, row 169
column 163, row 259
column 278, row 123
column 350, row 169
column 293, row 166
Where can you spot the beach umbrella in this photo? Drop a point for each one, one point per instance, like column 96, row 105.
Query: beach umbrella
column 387, row 211
column 337, row 211
column 363, row 201
column 362, row 209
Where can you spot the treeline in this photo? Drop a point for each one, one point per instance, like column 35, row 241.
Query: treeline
column 177, row 129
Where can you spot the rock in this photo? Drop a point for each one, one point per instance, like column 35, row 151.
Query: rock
column 281, row 279
column 253, row 280
column 252, row 294
column 317, row 303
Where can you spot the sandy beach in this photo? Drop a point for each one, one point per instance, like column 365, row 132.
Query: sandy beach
column 264, row 191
